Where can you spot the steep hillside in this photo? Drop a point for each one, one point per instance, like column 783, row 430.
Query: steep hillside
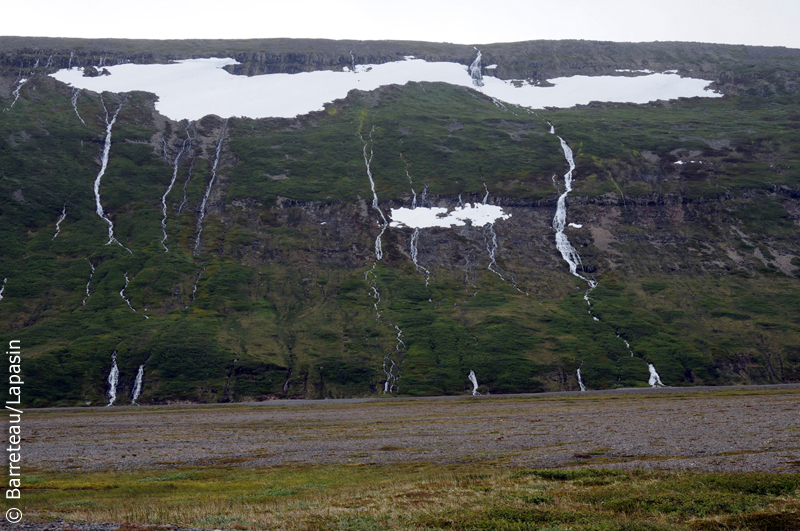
column 235, row 259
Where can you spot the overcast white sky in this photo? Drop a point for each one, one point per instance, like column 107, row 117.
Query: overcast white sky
column 755, row 22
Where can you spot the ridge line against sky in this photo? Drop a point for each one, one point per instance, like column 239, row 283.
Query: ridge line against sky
column 763, row 23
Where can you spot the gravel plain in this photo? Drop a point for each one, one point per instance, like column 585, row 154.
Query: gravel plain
column 710, row 429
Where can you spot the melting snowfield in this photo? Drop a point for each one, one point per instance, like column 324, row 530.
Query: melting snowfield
column 195, row 88
column 425, row 218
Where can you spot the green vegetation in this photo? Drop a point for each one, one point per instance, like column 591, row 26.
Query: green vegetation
column 422, row 496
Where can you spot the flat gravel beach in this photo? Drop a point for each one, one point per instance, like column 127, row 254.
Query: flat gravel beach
column 711, row 429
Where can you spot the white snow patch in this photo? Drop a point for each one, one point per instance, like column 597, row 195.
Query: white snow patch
column 576, row 225
column 490, row 67
column 424, row 218
column 194, row 88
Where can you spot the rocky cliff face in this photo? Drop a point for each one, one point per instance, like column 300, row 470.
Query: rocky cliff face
column 268, row 284
column 734, row 69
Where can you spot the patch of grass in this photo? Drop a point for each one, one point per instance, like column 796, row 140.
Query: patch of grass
column 424, row 496
column 171, row 477
column 75, row 503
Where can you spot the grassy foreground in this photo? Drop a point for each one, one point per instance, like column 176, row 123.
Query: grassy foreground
column 420, row 496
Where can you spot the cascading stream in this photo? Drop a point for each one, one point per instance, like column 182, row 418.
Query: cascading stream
column 137, row 385
column 424, row 197
column 378, row 247
column 75, row 95
column 490, row 239
column 194, row 288
column 164, row 197
column 475, row 71
column 58, row 223
column 469, row 273
column 491, row 248
column 411, row 184
column 367, row 162
column 15, row 93
column 568, row 252
column 90, row 281
column 122, row 292
column 391, row 367
column 655, row 380
column 415, row 256
column 474, row 380
column 414, row 244
column 627, row 345
column 3, row 289
column 392, row 378
column 580, row 380
column 489, row 234
column 189, row 174
column 103, row 166
column 113, row 380
column 127, row 301
column 203, row 204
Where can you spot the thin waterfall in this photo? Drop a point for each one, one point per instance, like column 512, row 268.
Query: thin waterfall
column 137, row 385
column 122, row 292
column 164, row 197
column 474, row 380
column 655, row 380
column 75, row 94
column 90, row 281
column 15, row 93
column 189, row 174
column 113, row 380
column 204, row 203
column 103, row 166
column 475, row 71
column 580, row 380
column 58, row 223
column 568, row 252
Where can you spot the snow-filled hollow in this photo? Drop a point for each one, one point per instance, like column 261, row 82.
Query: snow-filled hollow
column 425, row 218
column 193, row 88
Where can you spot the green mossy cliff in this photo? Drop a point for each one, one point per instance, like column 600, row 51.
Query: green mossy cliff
column 689, row 210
